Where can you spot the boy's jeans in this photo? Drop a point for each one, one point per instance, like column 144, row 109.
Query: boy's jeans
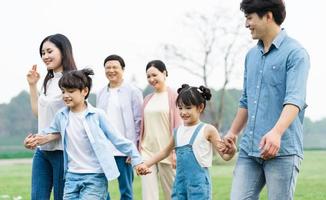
column 85, row 186
column 252, row 173
column 47, row 173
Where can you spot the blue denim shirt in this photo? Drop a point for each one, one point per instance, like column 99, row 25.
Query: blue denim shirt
column 272, row 80
column 99, row 132
column 131, row 101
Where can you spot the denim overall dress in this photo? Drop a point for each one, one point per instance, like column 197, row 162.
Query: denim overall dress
column 192, row 182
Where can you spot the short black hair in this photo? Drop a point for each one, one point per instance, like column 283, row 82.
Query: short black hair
column 77, row 79
column 261, row 7
column 115, row 57
column 188, row 95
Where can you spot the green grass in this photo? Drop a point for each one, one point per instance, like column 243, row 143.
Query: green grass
column 15, row 180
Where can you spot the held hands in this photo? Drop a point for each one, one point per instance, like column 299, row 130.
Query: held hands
column 226, row 146
column 29, row 142
column 142, row 169
column 230, row 140
column 34, row 140
column 270, row 144
column 33, row 76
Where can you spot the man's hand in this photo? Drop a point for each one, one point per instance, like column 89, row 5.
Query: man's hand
column 270, row 144
column 230, row 139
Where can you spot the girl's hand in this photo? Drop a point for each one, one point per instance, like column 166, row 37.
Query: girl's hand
column 221, row 145
column 142, row 169
column 230, row 146
column 33, row 76
column 229, row 139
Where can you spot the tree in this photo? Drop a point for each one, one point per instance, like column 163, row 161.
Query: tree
column 217, row 44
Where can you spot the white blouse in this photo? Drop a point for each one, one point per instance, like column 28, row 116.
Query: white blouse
column 48, row 105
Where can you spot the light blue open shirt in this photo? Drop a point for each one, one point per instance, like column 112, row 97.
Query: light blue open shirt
column 99, row 132
column 272, row 80
column 131, row 101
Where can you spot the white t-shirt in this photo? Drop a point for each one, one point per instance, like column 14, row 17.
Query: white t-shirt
column 202, row 148
column 81, row 156
column 114, row 114
column 48, row 105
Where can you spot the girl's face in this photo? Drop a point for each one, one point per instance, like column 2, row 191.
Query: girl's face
column 190, row 114
column 74, row 98
column 52, row 57
column 156, row 78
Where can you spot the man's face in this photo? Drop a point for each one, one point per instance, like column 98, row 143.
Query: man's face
column 256, row 25
column 114, row 71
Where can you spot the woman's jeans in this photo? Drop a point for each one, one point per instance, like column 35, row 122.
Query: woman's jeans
column 47, row 173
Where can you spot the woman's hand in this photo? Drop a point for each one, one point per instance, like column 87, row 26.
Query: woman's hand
column 33, row 76
column 29, row 142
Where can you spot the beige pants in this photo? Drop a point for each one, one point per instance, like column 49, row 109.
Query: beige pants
column 150, row 187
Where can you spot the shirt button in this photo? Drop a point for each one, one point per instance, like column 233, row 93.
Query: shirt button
column 273, row 67
column 253, row 116
column 257, row 86
column 255, row 102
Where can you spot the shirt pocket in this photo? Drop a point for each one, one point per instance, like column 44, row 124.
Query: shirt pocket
column 274, row 74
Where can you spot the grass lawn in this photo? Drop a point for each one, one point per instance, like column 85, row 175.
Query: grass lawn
column 15, row 180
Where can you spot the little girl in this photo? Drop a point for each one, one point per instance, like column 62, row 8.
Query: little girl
column 85, row 132
column 193, row 142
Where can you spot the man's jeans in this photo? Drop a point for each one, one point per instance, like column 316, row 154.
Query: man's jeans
column 85, row 186
column 125, row 179
column 252, row 173
column 47, row 172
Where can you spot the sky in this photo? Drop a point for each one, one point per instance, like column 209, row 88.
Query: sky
column 136, row 30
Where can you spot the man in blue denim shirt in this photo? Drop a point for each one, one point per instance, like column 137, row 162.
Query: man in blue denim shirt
column 271, row 106
column 122, row 102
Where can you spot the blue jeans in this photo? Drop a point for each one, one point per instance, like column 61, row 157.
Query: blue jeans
column 47, row 172
column 125, row 179
column 85, row 186
column 252, row 173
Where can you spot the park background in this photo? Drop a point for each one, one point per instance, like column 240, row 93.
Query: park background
column 202, row 42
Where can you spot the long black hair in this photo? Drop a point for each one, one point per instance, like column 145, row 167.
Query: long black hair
column 64, row 45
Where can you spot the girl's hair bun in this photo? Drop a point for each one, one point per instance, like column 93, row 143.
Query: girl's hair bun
column 183, row 87
column 205, row 92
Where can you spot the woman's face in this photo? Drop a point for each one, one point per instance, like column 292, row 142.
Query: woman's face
column 156, row 78
column 52, row 57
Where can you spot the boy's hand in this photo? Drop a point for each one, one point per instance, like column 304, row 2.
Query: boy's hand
column 142, row 169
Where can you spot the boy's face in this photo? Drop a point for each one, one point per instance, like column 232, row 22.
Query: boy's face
column 74, row 98
column 114, row 71
column 190, row 114
column 257, row 26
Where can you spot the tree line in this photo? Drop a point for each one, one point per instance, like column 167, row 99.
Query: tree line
column 16, row 118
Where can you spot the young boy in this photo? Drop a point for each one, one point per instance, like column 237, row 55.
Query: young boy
column 85, row 132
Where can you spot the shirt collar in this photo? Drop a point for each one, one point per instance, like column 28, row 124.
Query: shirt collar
column 277, row 40
column 89, row 110
column 119, row 88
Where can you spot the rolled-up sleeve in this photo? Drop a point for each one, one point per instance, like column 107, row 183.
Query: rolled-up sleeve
column 296, row 78
column 243, row 103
